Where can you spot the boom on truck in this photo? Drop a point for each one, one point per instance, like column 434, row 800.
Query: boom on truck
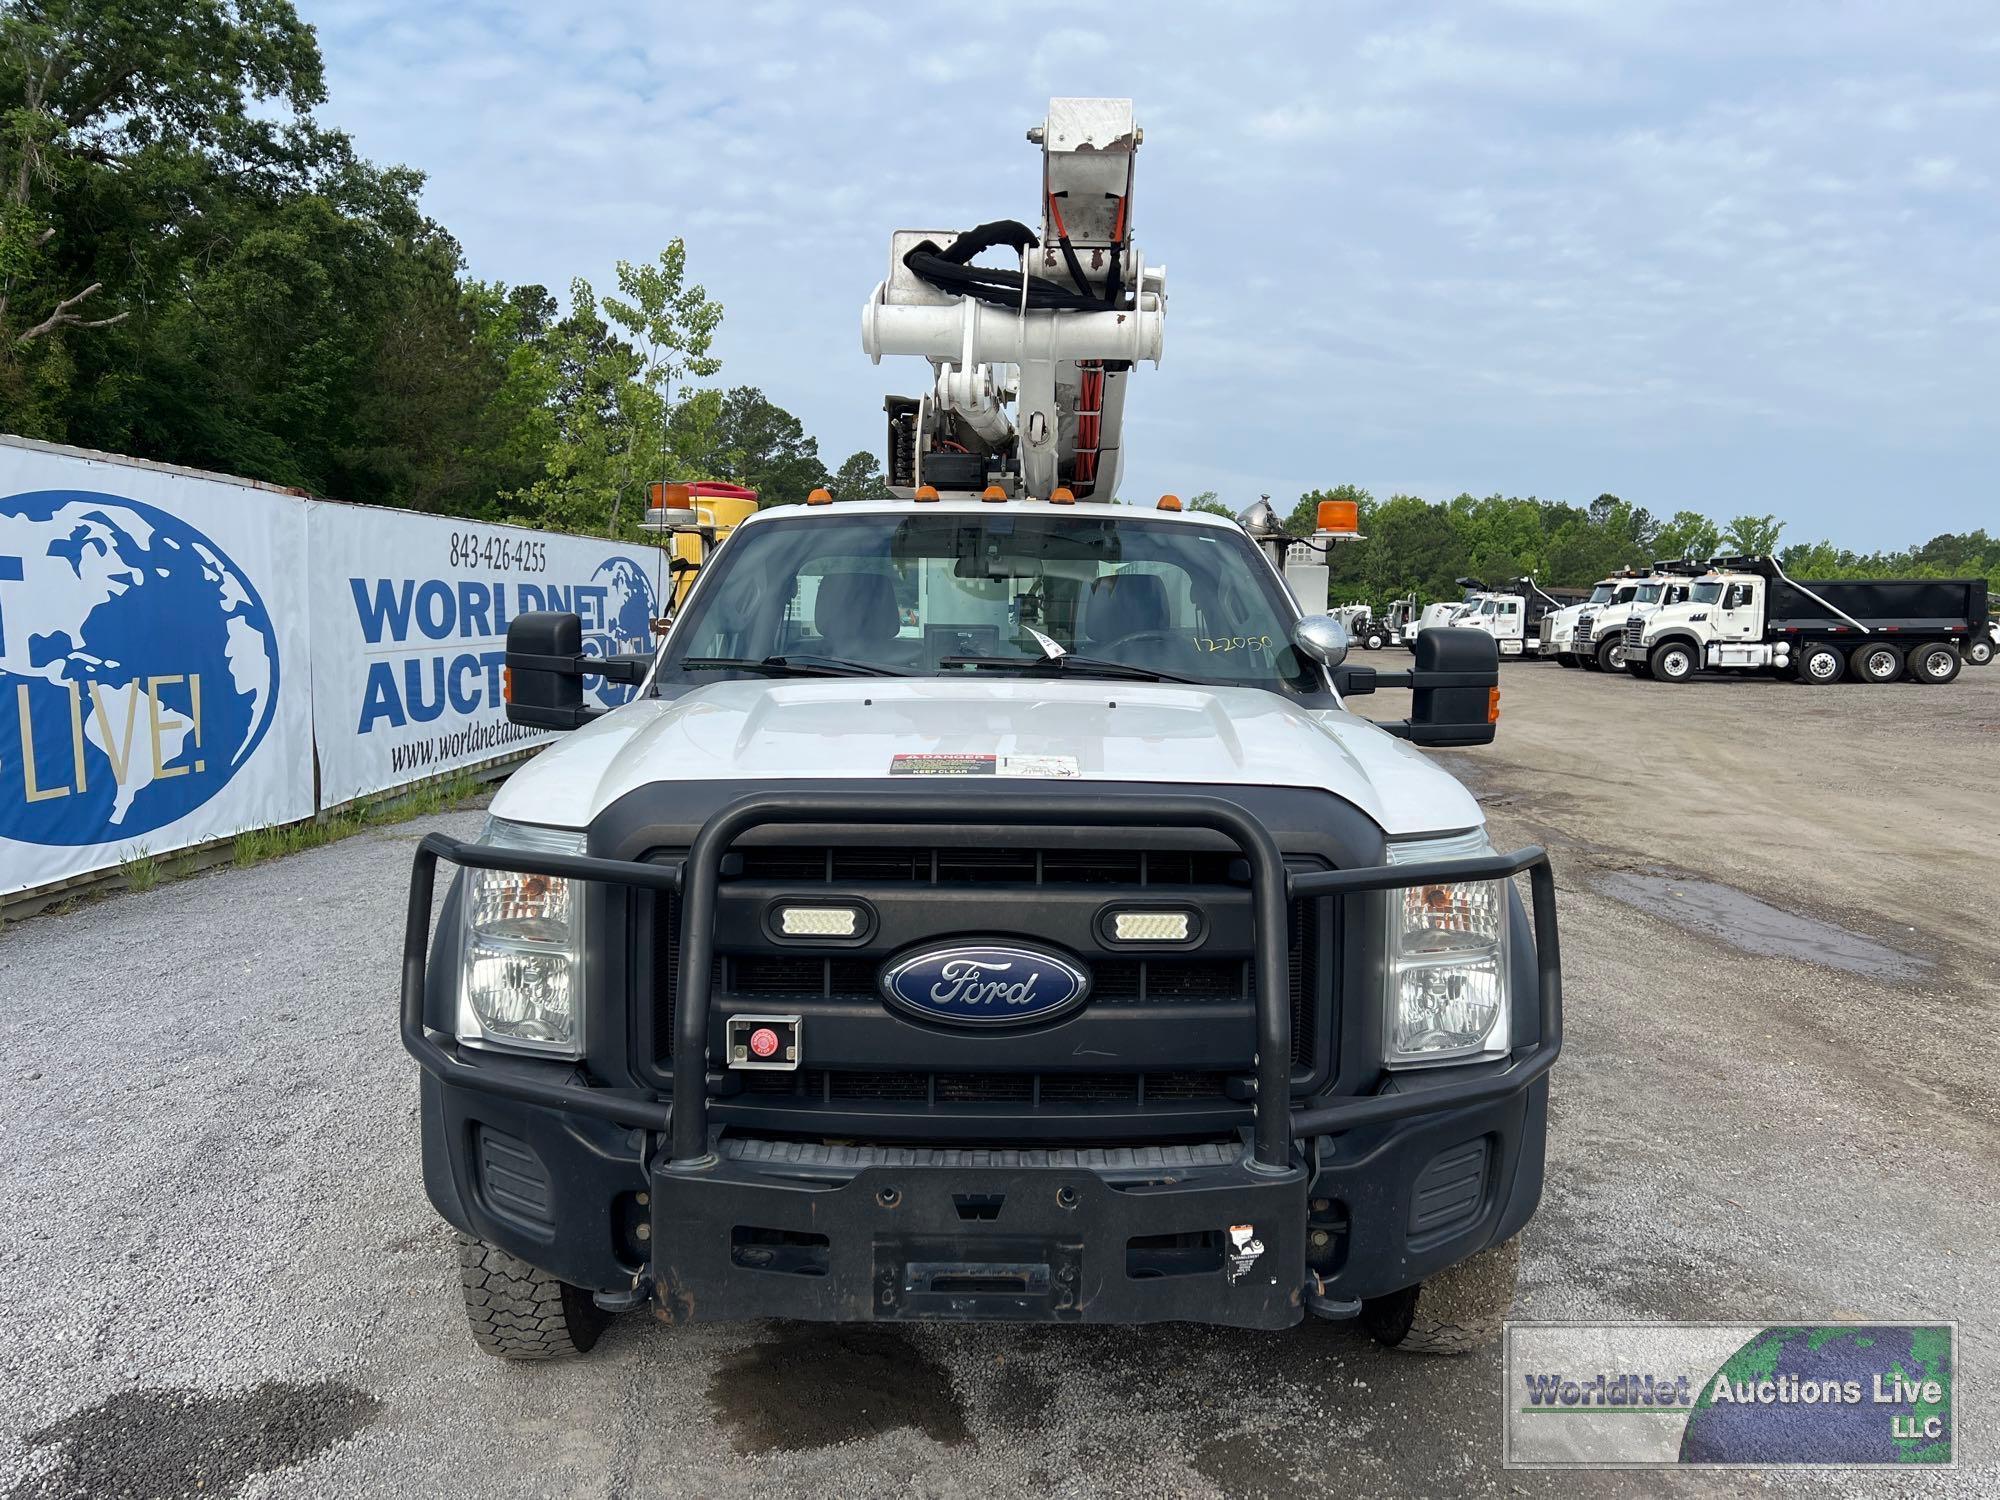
column 1746, row 615
column 989, row 906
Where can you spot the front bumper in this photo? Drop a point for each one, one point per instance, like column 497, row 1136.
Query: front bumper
column 1325, row 1201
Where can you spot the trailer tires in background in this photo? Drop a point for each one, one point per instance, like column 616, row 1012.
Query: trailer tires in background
column 1674, row 661
column 1821, row 665
column 1937, row 662
column 1876, row 661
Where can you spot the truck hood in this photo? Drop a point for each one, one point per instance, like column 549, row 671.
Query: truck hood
column 855, row 728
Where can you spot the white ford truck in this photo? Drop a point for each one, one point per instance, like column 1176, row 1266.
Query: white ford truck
column 988, row 906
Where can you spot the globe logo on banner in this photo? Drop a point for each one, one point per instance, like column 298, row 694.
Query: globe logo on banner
column 625, row 626
column 138, row 668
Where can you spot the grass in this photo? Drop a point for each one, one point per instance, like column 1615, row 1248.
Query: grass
column 142, row 871
column 260, row 844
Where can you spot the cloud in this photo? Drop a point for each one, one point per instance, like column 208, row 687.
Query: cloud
column 1697, row 253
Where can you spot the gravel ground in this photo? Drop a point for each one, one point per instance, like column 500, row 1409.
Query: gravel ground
column 221, row 1275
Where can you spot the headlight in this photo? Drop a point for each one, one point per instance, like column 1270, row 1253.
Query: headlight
column 1447, row 970
column 521, row 984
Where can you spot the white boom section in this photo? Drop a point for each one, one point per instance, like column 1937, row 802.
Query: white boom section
column 1068, row 418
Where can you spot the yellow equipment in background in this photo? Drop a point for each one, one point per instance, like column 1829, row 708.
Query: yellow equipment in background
column 699, row 517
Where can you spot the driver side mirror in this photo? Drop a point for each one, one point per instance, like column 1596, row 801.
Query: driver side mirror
column 546, row 666
column 1455, row 688
column 1322, row 639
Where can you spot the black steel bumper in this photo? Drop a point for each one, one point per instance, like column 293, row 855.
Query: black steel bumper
column 1329, row 1196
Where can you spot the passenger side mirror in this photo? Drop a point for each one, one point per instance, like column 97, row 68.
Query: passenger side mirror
column 546, row 666
column 1321, row 638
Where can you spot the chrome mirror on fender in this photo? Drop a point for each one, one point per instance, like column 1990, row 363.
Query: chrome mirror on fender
column 1321, row 638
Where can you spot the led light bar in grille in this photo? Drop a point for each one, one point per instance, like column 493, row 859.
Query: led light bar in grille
column 819, row 921
column 1151, row 926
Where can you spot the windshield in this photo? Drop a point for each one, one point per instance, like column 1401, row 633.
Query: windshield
column 1706, row 592
column 1601, row 594
column 908, row 593
column 1624, row 594
column 1649, row 593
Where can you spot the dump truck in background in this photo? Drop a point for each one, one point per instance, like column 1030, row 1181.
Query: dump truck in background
column 1746, row 615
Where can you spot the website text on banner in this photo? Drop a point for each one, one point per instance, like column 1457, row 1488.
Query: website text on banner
column 153, row 661
column 409, row 621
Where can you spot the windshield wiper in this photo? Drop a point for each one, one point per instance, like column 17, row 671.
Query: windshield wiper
column 1069, row 662
column 791, row 666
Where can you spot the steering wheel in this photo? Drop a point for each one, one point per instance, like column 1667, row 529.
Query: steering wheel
column 1175, row 641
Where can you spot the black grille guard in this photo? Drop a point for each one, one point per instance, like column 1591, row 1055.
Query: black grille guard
column 696, row 877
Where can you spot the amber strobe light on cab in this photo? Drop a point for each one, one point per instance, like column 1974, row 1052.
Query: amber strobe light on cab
column 1339, row 515
column 993, row 494
column 926, row 492
column 1170, row 502
column 820, row 497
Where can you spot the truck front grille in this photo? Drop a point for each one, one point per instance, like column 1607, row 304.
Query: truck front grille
column 1635, row 633
column 1176, row 983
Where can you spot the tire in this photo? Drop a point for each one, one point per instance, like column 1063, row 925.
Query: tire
column 1460, row 1309
column 1611, row 653
column 1672, row 661
column 1820, row 665
column 1565, row 658
column 1935, row 663
column 1875, row 661
column 1636, row 668
column 1588, row 660
column 518, row 1312
column 1372, row 641
column 1979, row 652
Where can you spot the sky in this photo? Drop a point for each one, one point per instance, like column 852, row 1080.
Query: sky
column 1735, row 257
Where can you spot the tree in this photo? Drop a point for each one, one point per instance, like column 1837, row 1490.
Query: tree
column 99, row 88
column 858, row 478
column 1206, row 501
column 755, row 442
column 1753, row 536
column 1689, row 534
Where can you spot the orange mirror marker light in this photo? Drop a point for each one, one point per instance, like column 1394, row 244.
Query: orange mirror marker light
column 506, row 684
column 1493, row 705
column 1170, row 502
column 993, row 495
column 927, row 492
column 1062, row 495
column 820, row 497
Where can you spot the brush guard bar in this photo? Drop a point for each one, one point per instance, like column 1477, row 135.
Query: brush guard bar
column 685, row 1118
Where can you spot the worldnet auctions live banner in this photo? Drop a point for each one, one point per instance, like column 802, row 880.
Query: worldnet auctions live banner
column 176, row 649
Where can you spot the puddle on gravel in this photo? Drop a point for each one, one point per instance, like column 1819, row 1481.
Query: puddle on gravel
column 811, row 1386
column 166, row 1444
column 1754, row 926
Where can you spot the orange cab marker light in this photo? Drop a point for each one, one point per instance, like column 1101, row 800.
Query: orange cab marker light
column 993, row 494
column 1339, row 515
column 1062, row 496
column 1493, row 705
column 1170, row 502
column 926, row 492
column 820, row 497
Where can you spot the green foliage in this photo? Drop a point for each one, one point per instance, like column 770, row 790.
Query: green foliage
column 1207, row 501
column 1753, row 536
column 859, row 478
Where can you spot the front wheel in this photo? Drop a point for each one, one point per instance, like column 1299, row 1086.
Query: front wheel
column 1565, row 658
column 1611, row 654
column 1819, row 664
column 1979, row 653
column 1372, row 641
column 518, row 1312
column 1673, row 662
column 1460, row 1309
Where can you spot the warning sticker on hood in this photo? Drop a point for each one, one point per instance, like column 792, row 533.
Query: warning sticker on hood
column 983, row 765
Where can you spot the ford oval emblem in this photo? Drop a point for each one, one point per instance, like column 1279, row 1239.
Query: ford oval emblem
column 985, row 984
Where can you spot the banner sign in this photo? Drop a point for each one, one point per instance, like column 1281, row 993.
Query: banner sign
column 153, row 661
column 409, row 624
column 1641, row 1395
